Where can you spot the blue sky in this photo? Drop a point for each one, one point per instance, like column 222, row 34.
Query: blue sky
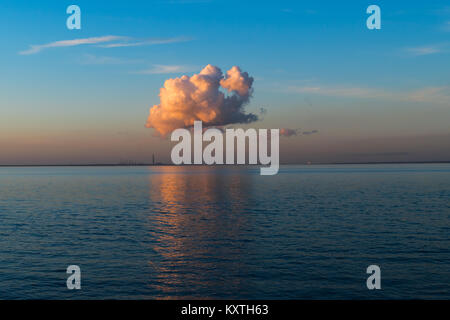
column 316, row 67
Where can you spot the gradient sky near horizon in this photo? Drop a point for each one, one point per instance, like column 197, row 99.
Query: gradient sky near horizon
column 359, row 95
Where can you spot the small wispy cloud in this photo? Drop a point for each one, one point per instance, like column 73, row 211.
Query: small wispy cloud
column 147, row 42
column 287, row 132
column 307, row 133
column 430, row 94
column 425, row 50
column 70, row 43
column 165, row 69
column 340, row 91
column 439, row 95
column 104, row 42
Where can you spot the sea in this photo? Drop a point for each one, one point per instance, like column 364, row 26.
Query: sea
column 225, row 232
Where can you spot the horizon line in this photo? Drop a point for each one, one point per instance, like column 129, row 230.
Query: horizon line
column 214, row 165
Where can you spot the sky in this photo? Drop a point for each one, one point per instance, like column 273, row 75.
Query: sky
column 340, row 92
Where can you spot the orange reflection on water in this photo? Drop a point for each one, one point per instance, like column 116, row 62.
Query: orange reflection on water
column 198, row 207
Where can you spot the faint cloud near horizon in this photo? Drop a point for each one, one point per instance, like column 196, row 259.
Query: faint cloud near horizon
column 287, row 132
column 166, row 69
column 439, row 95
column 103, row 42
column 424, row 50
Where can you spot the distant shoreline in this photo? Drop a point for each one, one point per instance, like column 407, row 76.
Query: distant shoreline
column 165, row 165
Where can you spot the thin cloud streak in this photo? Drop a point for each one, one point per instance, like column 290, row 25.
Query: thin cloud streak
column 166, row 69
column 148, row 42
column 70, row 43
column 422, row 51
column 435, row 48
column 109, row 42
column 439, row 95
column 287, row 132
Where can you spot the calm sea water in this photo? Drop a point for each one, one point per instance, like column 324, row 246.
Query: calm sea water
column 204, row 232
